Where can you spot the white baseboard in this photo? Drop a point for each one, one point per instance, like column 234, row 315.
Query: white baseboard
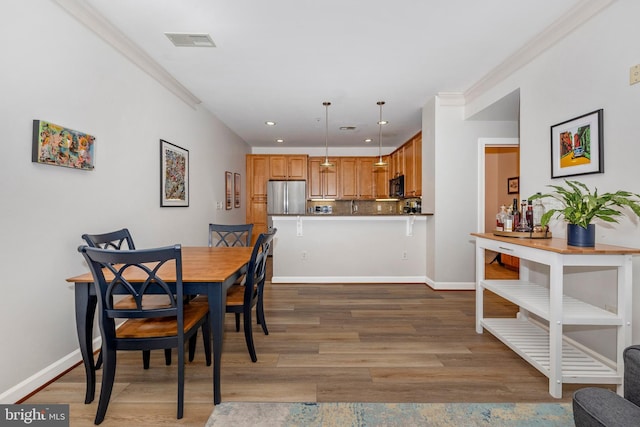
column 37, row 380
column 348, row 279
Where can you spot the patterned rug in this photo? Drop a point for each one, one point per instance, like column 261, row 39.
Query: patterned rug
column 239, row 414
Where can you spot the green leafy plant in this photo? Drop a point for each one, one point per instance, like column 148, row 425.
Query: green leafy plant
column 581, row 206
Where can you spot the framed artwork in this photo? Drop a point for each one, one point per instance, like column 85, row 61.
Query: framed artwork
column 236, row 190
column 576, row 146
column 228, row 190
column 174, row 175
column 60, row 146
column 513, row 185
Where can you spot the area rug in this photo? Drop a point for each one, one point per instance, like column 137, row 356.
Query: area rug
column 239, row 414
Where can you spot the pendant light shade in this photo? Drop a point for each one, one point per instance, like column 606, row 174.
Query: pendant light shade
column 326, row 163
column 380, row 162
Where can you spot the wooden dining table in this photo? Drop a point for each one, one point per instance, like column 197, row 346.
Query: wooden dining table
column 205, row 271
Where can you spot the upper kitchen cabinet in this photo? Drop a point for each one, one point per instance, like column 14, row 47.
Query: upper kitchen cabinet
column 288, row 167
column 257, row 177
column 323, row 181
column 356, row 178
column 381, row 176
column 412, row 151
column 396, row 163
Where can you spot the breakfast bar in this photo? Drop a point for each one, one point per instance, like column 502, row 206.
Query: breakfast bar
column 349, row 249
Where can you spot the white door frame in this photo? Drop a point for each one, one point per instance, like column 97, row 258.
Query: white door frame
column 483, row 143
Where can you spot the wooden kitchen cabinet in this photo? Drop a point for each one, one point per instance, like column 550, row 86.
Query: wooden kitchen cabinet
column 356, row 178
column 412, row 151
column 381, row 179
column 288, row 167
column 257, row 177
column 323, row 181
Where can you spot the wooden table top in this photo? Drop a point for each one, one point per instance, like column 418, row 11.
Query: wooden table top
column 560, row 245
column 199, row 264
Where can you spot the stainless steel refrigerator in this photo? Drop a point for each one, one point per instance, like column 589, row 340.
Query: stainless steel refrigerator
column 285, row 198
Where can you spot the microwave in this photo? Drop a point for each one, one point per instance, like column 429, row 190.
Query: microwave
column 396, row 186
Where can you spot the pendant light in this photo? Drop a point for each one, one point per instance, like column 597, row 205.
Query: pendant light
column 380, row 162
column 326, row 163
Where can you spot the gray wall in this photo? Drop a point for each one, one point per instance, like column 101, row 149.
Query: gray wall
column 55, row 69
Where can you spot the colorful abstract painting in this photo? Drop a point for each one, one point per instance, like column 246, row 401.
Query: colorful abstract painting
column 60, row 146
column 174, row 175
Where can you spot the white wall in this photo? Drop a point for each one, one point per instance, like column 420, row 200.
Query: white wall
column 55, row 69
column 586, row 71
column 452, row 152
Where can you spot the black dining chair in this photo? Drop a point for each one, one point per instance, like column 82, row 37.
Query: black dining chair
column 230, row 235
column 145, row 327
column 118, row 240
column 242, row 297
column 225, row 235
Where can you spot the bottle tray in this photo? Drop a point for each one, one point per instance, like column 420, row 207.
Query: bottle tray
column 524, row 234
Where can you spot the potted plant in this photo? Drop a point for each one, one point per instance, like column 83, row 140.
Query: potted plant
column 581, row 206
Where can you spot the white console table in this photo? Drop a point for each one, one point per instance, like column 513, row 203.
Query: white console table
column 541, row 343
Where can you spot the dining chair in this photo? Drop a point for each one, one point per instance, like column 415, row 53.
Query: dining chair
column 121, row 239
column 242, row 297
column 230, row 235
column 144, row 327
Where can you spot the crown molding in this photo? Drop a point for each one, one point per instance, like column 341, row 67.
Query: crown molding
column 560, row 28
column 451, row 99
column 94, row 21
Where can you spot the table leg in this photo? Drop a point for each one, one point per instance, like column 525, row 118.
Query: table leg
column 85, row 310
column 217, row 297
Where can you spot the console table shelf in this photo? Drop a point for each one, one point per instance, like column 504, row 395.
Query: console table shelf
column 539, row 339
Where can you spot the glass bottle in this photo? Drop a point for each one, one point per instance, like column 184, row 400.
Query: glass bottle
column 538, row 212
column 516, row 214
column 529, row 215
column 500, row 217
column 508, row 220
column 523, row 225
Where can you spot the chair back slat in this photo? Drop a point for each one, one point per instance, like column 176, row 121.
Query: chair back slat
column 110, row 270
column 256, row 270
column 230, row 235
column 117, row 240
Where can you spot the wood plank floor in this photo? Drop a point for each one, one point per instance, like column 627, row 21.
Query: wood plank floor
column 327, row 343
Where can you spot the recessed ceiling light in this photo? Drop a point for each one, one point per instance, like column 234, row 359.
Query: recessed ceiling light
column 270, row 123
column 279, row 140
column 383, row 122
column 190, row 40
column 368, row 140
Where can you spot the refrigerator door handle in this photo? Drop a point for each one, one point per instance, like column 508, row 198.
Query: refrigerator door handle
column 286, row 198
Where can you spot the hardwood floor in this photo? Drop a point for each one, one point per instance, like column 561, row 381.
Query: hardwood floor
column 330, row 342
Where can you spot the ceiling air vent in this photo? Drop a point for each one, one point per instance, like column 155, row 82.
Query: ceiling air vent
column 190, row 40
column 347, row 128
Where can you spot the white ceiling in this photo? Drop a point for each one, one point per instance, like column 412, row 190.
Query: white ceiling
column 280, row 59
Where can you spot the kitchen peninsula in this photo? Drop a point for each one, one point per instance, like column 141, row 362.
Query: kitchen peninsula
column 349, row 249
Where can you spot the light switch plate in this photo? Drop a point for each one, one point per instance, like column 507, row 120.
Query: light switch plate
column 634, row 74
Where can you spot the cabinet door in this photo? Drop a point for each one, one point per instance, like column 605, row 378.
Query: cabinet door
column 417, row 150
column 365, row 171
column 314, row 187
column 348, row 178
column 297, row 167
column 257, row 175
column 381, row 179
column 330, row 179
column 278, row 167
column 409, row 171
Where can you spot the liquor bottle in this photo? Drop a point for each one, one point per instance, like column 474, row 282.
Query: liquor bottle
column 500, row 217
column 538, row 212
column 529, row 215
column 508, row 220
column 516, row 214
column 523, row 225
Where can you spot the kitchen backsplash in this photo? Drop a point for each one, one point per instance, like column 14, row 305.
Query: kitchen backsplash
column 363, row 207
